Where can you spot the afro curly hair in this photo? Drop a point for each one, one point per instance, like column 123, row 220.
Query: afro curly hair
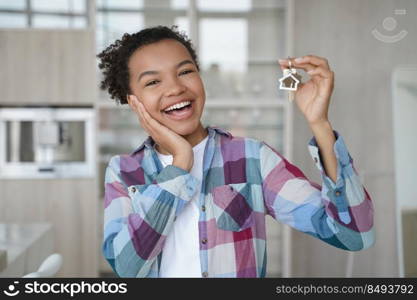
column 114, row 59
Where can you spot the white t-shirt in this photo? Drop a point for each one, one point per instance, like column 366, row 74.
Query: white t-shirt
column 181, row 252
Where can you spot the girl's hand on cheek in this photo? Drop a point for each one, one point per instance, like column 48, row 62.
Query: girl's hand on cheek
column 175, row 144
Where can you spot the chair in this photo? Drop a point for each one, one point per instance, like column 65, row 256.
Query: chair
column 49, row 267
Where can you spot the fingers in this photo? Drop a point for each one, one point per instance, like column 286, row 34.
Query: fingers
column 151, row 122
column 314, row 60
column 323, row 72
column 312, row 64
column 133, row 103
column 152, row 126
column 285, row 64
column 139, row 109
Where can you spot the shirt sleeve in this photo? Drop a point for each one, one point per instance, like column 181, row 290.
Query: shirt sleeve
column 339, row 213
column 137, row 218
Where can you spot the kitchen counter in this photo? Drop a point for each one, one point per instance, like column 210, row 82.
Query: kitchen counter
column 26, row 246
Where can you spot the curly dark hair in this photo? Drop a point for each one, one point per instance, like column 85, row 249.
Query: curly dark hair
column 114, row 59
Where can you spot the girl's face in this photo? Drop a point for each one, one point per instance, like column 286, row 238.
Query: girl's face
column 163, row 74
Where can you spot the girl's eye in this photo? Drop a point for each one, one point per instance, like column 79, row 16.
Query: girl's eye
column 186, row 72
column 151, row 82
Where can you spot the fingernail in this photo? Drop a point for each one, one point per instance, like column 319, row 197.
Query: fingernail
column 298, row 59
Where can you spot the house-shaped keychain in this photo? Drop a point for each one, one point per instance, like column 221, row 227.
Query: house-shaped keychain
column 289, row 80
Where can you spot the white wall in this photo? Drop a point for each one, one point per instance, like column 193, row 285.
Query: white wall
column 405, row 134
column 361, row 110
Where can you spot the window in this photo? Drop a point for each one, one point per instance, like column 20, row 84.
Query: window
column 12, row 4
column 224, row 5
column 111, row 26
column 223, row 62
column 11, row 20
column 61, row 6
column 43, row 14
column 120, row 4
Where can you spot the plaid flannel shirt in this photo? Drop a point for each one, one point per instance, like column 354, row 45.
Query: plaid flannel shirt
column 243, row 180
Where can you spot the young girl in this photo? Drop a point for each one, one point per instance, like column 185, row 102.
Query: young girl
column 191, row 201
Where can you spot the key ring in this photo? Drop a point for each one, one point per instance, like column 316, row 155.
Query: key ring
column 289, row 63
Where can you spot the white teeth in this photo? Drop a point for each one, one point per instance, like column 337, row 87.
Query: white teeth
column 177, row 106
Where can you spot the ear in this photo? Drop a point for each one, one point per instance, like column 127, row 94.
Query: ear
column 130, row 98
column 130, row 101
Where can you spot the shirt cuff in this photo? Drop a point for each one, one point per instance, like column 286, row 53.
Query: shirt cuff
column 178, row 182
column 342, row 155
column 336, row 191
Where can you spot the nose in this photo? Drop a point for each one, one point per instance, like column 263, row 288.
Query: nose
column 175, row 88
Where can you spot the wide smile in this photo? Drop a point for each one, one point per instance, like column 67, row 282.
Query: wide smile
column 182, row 113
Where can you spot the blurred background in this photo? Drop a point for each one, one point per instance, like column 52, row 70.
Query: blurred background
column 58, row 130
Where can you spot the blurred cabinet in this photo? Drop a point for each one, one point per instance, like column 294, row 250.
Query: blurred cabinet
column 40, row 67
column 53, row 68
column 27, row 246
column 70, row 205
column 47, row 142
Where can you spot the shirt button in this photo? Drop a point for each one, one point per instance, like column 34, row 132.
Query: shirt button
column 337, row 193
column 205, row 274
column 204, row 241
column 133, row 189
column 316, row 160
column 203, row 208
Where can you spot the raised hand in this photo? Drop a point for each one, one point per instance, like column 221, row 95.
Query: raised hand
column 313, row 97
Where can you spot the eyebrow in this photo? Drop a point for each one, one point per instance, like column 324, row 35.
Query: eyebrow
column 184, row 62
